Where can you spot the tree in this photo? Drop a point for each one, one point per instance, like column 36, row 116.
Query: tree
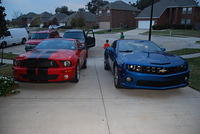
column 141, row 4
column 63, row 9
column 95, row 5
column 78, row 22
column 16, row 14
column 3, row 28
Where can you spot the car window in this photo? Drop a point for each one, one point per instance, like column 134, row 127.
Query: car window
column 39, row 35
column 57, row 44
column 74, row 35
column 134, row 45
column 7, row 33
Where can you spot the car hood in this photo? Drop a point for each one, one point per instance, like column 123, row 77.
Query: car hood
column 52, row 54
column 151, row 58
column 34, row 41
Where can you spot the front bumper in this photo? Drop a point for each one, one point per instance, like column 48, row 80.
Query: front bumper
column 152, row 81
column 43, row 74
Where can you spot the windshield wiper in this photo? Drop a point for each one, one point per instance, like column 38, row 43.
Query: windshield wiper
column 126, row 51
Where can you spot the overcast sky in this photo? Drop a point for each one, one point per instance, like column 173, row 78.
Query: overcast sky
column 39, row 6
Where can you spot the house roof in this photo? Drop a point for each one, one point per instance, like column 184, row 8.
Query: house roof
column 89, row 17
column 61, row 17
column 120, row 5
column 44, row 17
column 162, row 5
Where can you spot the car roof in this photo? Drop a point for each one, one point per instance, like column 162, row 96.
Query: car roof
column 61, row 39
column 45, row 31
column 134, row 40
column 74, row 30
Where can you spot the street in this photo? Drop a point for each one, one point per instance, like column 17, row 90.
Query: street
column 95, row 106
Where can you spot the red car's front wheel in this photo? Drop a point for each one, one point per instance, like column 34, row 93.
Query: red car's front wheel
column 77, row 74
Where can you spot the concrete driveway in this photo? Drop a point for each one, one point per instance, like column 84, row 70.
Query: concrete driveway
column 94, row 106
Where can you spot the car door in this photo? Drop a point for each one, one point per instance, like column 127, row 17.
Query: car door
column 81, row 52
column 112, row 54
column 90, row 38
column 8, row 38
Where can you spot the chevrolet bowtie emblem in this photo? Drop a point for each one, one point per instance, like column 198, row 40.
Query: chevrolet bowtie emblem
column 162, row 71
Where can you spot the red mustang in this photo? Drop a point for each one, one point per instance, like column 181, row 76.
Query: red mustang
column 52, row 60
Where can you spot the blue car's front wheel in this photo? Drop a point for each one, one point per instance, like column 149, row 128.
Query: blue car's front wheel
column 116, row 77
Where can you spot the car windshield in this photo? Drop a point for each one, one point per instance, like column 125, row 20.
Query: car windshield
column 135, row 45
column 74, row 35
column 39, row 35
column 57, row 44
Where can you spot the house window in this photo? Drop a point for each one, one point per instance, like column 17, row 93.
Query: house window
column 186, row 21
column 108, row 11
column 189, row 11
column 184, row 10
column 100, row 12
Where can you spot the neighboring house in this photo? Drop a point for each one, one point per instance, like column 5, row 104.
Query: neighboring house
column 89, row 18
column 170, row 12
column 44, row 19
column 59, row 18
column 117, row 14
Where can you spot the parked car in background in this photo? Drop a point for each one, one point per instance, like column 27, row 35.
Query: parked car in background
column 142, row 64
column 14, row 36
column 37, row 37
column 53, row 60
column 85, row 37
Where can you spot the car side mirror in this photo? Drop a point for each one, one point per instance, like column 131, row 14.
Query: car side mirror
column 163, row 49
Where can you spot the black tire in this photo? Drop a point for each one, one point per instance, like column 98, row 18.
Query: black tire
column 116, row 78
column 23, row 41
column 106, row 65
column 84, row 64
column 77, row 74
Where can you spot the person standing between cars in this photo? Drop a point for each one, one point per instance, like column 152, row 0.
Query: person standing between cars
column 106, row 44
column 122, row 35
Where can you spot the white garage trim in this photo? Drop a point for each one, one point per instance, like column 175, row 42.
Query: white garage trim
column 144, row 24
column 104, row 25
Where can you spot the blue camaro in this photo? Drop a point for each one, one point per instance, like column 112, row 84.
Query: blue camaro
column 142, row 64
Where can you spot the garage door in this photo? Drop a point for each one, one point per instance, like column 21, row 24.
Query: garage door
column 104, row 25
column 144, row 24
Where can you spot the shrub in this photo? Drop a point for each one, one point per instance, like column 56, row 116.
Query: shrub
column 7, row 86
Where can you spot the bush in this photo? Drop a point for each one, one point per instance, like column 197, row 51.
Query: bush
column 172, row 26
column 7, row 86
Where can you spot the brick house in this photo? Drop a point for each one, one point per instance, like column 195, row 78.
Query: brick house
column 117, row 14
column 59, row 19
column 170, row 12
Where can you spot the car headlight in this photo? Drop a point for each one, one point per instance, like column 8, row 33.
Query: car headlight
column 135, row 68
column 16, row 63
column 67, row 63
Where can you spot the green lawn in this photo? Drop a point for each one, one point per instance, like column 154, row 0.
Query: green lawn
column 194, row 65
column 185, row 51
column 8, row 56
column 6, row 70
column 171, row 32
column 113, row 31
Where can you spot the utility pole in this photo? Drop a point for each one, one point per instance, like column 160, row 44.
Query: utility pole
column 150, row 27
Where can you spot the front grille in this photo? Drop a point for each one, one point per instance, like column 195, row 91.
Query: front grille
column 38, row 63
column 159, row 70
column 159, row 83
